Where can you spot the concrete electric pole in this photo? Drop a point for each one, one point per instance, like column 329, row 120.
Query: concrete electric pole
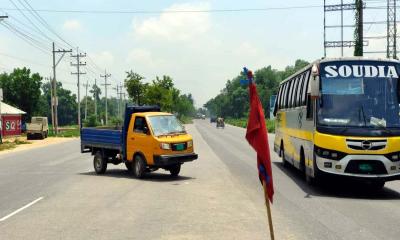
column 54, row 100
column 78, row 72
column 105, row 76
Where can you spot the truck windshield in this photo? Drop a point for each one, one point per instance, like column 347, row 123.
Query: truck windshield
column 165, row 125
column 359, row 102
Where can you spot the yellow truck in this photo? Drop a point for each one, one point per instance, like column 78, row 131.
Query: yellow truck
column 148, row 140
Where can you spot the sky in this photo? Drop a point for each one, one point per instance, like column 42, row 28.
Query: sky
column 199, row 50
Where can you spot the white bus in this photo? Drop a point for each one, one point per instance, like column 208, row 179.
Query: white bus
column 341, row 117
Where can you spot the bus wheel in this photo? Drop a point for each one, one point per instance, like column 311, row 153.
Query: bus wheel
column 282, row 154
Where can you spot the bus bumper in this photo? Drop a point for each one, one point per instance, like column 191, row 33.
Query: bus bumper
column 368, row 167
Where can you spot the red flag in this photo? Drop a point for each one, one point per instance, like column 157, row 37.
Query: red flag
column 257, row 137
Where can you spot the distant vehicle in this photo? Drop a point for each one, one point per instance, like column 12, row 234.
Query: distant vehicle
column 37, row 128
column 220, row 123
column 148, row 140
column 213, row 119
column 203, row 116
column 341, row 117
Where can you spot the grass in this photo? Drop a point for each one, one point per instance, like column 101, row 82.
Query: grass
column 71, row 131
column 11, row 144
column 186, row 120
column 242, row 122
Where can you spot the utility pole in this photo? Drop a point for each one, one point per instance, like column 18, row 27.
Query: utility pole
column 54, row 100
column 3, row 17
column 391, row 51
column 120, row 98
column 86, row 85
column 78, row 72
column 359, row 31
column 95, row 98
column 105, row 76
column 51, row 95
column 118, row 102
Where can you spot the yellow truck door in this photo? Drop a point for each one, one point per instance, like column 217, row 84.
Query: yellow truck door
column 139, row 139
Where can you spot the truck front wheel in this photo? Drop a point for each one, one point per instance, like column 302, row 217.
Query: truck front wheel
column 174, row 170
column 99, row 163
column 139, row 166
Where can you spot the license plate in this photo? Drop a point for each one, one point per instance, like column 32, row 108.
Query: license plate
column 365, row 167
column 179, row 147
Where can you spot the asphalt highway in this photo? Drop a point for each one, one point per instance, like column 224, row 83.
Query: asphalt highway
column 52, row 192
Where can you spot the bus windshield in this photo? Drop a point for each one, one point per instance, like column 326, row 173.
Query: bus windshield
column 359, row 102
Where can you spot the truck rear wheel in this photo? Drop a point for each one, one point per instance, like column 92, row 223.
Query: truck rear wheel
column 99, row 163
column 139, row 166
column 174, row 170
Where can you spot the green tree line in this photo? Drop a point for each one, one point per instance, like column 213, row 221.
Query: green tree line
column 233, row 100
column 162, row 92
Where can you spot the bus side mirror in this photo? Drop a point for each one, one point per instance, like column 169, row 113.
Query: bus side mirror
column 314, row 87
column 314, row 93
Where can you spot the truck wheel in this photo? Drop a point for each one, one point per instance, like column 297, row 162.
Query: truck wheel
column 174, row 170
column 139, row 166
column 42, row 135
column 128, row 165
column 99, row 163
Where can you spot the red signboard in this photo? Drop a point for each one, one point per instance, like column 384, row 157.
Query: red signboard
column 11, row 125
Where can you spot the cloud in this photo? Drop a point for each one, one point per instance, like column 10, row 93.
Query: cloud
column 103, row 59
column 72, row 25
column 175, row 26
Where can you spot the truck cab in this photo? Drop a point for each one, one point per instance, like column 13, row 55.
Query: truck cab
column 148, row 141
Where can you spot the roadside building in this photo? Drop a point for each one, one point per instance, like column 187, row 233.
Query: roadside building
column 10, row 120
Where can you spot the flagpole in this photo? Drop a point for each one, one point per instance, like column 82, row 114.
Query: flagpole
column 267, row 204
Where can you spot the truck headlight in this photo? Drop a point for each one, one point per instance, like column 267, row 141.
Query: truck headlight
column 165, row 146
column 190, row 144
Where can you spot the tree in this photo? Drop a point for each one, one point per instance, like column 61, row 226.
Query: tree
column 135, row 87
column 96, row 92
column 233, row 100
column 67, row 104
column 22, row 90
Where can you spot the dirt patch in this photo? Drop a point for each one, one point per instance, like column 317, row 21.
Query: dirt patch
column 33, row 143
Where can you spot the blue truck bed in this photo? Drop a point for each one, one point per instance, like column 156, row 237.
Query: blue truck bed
column 101, row 138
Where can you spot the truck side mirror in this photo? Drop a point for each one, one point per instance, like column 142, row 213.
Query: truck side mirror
column 146, row 130
column 314, row 85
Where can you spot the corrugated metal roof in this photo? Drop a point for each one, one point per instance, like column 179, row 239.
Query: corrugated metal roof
column 7, row 109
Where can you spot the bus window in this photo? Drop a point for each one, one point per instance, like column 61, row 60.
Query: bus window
column 289, row 105
column 295, row 91
column 300, row 89
column 278, row 100
column 285, row 95
column 305, row 88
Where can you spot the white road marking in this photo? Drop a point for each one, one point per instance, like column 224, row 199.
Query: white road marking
column 20, row 209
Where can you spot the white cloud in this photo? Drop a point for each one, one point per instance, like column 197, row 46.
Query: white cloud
column 103, row 59
column 175, row 26
column 72, row 25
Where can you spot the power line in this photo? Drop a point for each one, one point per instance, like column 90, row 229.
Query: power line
column 174, row 11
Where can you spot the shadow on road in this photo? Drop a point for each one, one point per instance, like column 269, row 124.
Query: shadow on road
column 152, row 177
column 338, row 187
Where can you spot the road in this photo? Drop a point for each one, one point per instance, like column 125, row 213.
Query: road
column 217, row 197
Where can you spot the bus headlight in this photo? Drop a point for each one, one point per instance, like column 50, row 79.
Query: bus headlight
column 190, row 144
column 165, row 146
column 328, row 154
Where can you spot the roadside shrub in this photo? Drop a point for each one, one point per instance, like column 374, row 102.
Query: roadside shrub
column 91, row 121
